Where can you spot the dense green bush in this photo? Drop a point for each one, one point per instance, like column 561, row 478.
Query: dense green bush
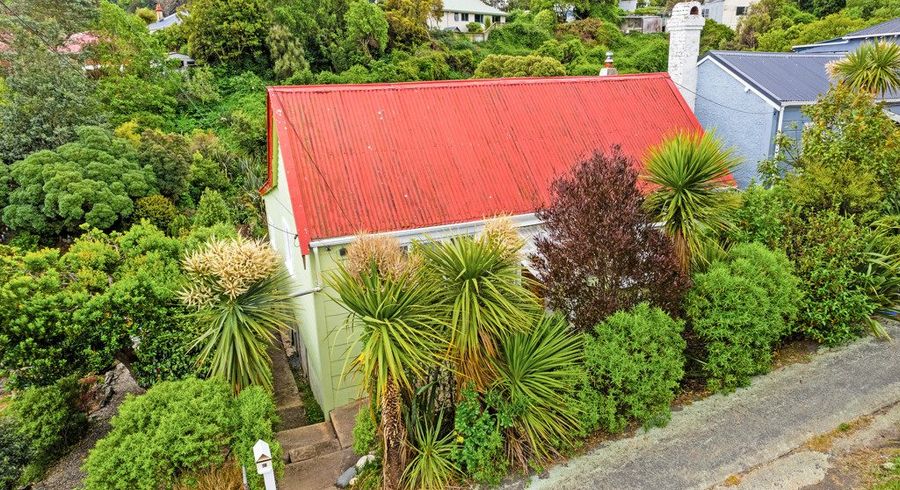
column 741, row 308
column 759, row 219
column 48, row 421
column 634, row 362
column 212, row 210
column 156, row 209
column 496, row 65
column 93, row 181
column 480, row 452
column 828, row 255
column 177, row 427
column 14, row 454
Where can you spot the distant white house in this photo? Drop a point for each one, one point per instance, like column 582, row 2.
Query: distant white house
column 457, row 14
column 727, row 12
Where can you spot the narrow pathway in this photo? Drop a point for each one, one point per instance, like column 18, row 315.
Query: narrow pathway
column 720, row 436
column 287, row 397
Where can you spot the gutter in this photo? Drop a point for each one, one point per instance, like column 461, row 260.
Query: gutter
column 432, row 232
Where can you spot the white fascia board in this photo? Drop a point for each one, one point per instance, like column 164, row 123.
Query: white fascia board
column 405, row 237
column 801, row 103
column 836, row 43
column 743, row 82
column 865, row 36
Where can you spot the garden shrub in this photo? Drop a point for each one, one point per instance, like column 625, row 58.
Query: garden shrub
column 365, row 432
column 179, row 427
column 156, row 209
column 634, row 361
column 49, row 422
column 256, row 419
column 741, row 308
column 828, row 255
column 598, row 238
column 759, row 219
column 480, row 453
column 212, row 210
column 14, row 454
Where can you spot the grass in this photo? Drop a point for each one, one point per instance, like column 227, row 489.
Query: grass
column 888, row 475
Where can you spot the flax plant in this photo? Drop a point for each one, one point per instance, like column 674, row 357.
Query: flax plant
column 536, row 374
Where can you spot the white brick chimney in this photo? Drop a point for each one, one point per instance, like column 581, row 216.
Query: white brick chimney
column 684, row 47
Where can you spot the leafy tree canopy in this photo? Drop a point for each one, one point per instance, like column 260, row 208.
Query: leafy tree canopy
column 91, row 181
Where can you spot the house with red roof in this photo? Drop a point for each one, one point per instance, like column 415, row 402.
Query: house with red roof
column 431, row 160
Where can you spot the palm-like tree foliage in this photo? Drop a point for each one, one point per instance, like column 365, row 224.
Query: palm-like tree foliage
column 538, row 370
column 689, row 175
column 401, row 340
column 432, row 443
column 400, row 332
column 240, row 329
column 479, row 282
column 873, row 67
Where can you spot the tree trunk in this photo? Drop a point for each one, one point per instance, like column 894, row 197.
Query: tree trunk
column 394, row 436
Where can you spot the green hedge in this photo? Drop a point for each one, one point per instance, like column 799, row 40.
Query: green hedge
column 741, row 308
column 634, row 361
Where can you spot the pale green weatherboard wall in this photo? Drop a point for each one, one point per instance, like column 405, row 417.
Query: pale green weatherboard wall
column 320, row 321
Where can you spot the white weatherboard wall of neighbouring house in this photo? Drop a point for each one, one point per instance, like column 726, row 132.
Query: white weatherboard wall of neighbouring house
column 727, row 12
column 457, row 14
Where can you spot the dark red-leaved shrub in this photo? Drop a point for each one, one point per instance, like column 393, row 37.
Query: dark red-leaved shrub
column 600, row 252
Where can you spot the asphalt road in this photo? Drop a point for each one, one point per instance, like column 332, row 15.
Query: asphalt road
column 724, row 435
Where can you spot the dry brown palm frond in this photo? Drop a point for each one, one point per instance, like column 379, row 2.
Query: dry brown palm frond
column 383, row 251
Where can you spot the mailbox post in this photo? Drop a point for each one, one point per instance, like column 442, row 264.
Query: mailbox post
column 263, row 457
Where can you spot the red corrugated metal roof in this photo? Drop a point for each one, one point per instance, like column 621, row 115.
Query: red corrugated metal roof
column 387, row 157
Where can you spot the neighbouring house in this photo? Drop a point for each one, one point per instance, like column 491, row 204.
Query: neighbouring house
column 886, row 31
column 457, row 14
column 727, row 12
column 165, row 21
column 748, row 98
column 408, row 160
column 646, row 24
column 628, row 5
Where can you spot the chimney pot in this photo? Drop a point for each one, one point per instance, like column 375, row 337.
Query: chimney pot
column 608, row 66
column 159, row 12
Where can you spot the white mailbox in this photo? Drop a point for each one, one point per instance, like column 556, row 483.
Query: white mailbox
column 262, row 455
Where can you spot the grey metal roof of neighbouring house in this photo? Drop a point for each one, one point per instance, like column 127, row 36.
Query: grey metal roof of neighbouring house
column 891, row 27
column 783, row 78
column 168, row 21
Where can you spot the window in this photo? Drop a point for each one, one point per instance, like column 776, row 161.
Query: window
column 497, row 19
column 456, row 16
column 706, row 13
column 479, row 18
column 741, row 10
column 465, row 17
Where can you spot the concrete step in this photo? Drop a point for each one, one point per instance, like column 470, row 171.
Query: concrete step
column 291, row 417
column 307, row 442
column 317, row 473
column 343, row 419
